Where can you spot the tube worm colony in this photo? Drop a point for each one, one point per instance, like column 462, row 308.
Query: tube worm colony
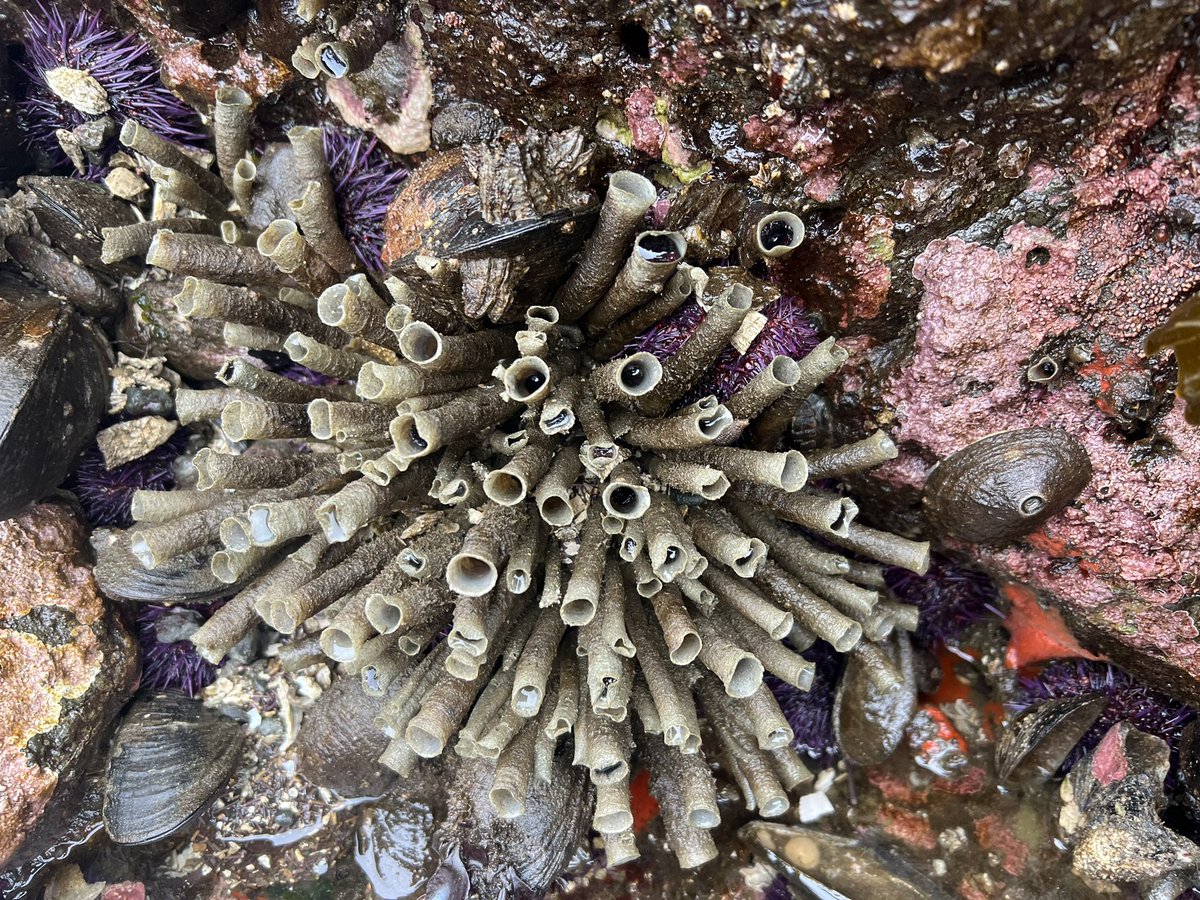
column 525, row 542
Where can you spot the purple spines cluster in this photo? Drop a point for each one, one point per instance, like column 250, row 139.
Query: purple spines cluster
column 950, row 598
column 778, row 889
column 105, row 493
column 169, row 661
column 788, row 331
column 365, row 182
column 282, row 364
column 1128, row 701
column 810, row 713
column 122, row 64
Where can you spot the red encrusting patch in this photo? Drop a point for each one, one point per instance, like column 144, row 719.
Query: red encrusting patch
column 645, row 807
column 1109, row 763
column 995, row 836
column 1036, row 634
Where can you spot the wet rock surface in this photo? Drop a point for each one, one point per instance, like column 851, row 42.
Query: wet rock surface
column 66, row 664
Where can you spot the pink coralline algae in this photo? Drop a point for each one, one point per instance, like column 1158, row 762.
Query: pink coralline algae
column 1087, row 291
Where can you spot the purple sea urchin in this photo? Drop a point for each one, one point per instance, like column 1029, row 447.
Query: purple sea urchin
column 595, row 556
column 785, row 330
column 950, row 598
column 1128, row 701
column 364, row 183
column 169, row 661
column 810, row 713
column 106, row 493
column 86, row 79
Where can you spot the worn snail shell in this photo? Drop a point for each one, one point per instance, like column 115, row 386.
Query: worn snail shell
column 53, row 391
column 1005, row 485
column 874, row 702
column 170, row 757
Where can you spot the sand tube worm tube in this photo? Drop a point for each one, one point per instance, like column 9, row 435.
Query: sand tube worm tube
column 522, row 538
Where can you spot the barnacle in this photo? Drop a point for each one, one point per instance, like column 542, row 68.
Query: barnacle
column 86, row 79
column 525, row 541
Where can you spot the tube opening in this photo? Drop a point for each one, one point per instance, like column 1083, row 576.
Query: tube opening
column 795, row 471
column 261, row 532
column 420, row 344
column 660, row 247
column 640, row 374
column 556, row 511
column 384, row 616
column 320, row 417
column 626, row 501
column 779, row 233
column 746, row 677
column 577, row 611
column 339, row 646
column 471, row 576
column 527, row 380
column 423, row 743
column 687, row 649
column 504, row 487
column 331, row 305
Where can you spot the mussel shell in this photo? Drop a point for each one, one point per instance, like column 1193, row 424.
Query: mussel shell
column 829, row 866
column 1005, row 485
column 169, row 759
column 72, row 212
column 1035, row 743
column 869, row 722
column 186, row 578
column 338, row 743
column 53, row 391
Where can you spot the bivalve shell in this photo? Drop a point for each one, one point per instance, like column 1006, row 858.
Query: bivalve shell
column 53, row 391
column 170, row 757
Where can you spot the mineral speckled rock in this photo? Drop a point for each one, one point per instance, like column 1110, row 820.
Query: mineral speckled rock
column 1084, row 285
column 66, row 664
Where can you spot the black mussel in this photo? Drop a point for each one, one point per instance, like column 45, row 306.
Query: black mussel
column 53, row 391
column 394, row 842
column 875, row 701
column 829, row 867
column 1036, row 742
column 169, row 759
column 339, row 743
column 72, row 212
column 187, row 578
column 510, row 858
column 1005, row 485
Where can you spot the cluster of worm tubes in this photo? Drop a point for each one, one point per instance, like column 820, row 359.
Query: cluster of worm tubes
column 524, row 541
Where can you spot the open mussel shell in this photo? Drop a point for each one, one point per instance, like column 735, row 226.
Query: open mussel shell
column 1005, row 485
column 873, row 706
column 187, row 578
column 53, row 391
column 829, row 867
column 169, row 759
column 1036, row 742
